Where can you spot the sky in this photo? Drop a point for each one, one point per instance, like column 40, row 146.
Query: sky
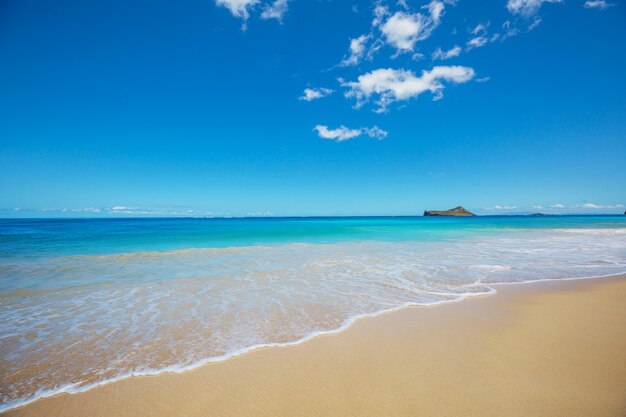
column 301, row 107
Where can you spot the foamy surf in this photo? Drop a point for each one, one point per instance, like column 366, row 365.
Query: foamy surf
column 70, row 323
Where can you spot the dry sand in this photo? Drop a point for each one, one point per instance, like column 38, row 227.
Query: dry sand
column 543, row 349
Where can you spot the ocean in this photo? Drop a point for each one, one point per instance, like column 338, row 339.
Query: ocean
column 88, row 301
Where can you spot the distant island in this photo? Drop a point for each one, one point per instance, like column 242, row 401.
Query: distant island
column 457, row 212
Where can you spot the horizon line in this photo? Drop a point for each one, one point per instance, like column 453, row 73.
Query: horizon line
column 530, row 214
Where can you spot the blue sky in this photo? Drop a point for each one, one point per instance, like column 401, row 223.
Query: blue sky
column 256, row 107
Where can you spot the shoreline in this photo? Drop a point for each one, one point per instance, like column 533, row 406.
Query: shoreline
column 537, row 286
column 68, row 389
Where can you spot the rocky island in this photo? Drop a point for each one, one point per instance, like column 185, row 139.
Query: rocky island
column 457, row 211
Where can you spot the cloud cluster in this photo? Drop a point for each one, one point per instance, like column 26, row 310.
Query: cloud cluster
column 343, row 133
column 400, row 30
column 311, row 94
column 398, row 27
column 387, row 85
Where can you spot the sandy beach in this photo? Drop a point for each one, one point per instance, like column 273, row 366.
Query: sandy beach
column 540, row 349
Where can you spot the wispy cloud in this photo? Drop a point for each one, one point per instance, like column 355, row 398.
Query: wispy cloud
column 127, row 211
column 476, row 42
column 343, row 133
column 311, row 94
column 594, row 206
column 597, row 4
column 260, row 214
column 559, row 208
column 527, row 7
column 582, row 206
column 450, row 53
column 238, row 8
column 479, row 29
column 356, row 51
column 242, row 9
column 276, row 10
column 480, row 36
column 388, row 85
column 536, row 21
column 498, row 207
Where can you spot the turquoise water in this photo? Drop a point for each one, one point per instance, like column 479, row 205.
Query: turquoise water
column 83, row 302
column 37, row 237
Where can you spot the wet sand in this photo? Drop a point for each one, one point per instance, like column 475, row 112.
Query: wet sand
column 541, row 349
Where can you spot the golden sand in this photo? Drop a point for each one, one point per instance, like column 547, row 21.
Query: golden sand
column 544, row 349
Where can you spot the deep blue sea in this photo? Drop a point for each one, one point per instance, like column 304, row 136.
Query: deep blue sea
column 86, row 301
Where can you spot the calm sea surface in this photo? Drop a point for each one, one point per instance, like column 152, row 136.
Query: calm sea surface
column 83, row 302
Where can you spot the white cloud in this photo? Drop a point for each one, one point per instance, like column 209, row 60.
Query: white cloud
column 527, row 7
column 534, row 23
column 600, row 206
column 538, row 207
column 358, row 47
column 403, row 29
column 380, row 12
column 311, row 94
column 238, row 8
column 476, row 42
column 260, row 214
column 276, row 10
column 343, row 133
column 505, row 207
column 557, row 206
column 509, row 30
column 479, row 29
column 597, row 4
column 375, row 132
column 480, row 36
column 339, row 134
column 134, row 211
column 450, row 53
column 391, row 85
column 73, row 210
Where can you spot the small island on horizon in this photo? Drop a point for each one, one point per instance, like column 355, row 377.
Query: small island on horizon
column 456, row 212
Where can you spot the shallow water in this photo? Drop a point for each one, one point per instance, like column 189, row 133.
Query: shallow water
column 88, row 301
